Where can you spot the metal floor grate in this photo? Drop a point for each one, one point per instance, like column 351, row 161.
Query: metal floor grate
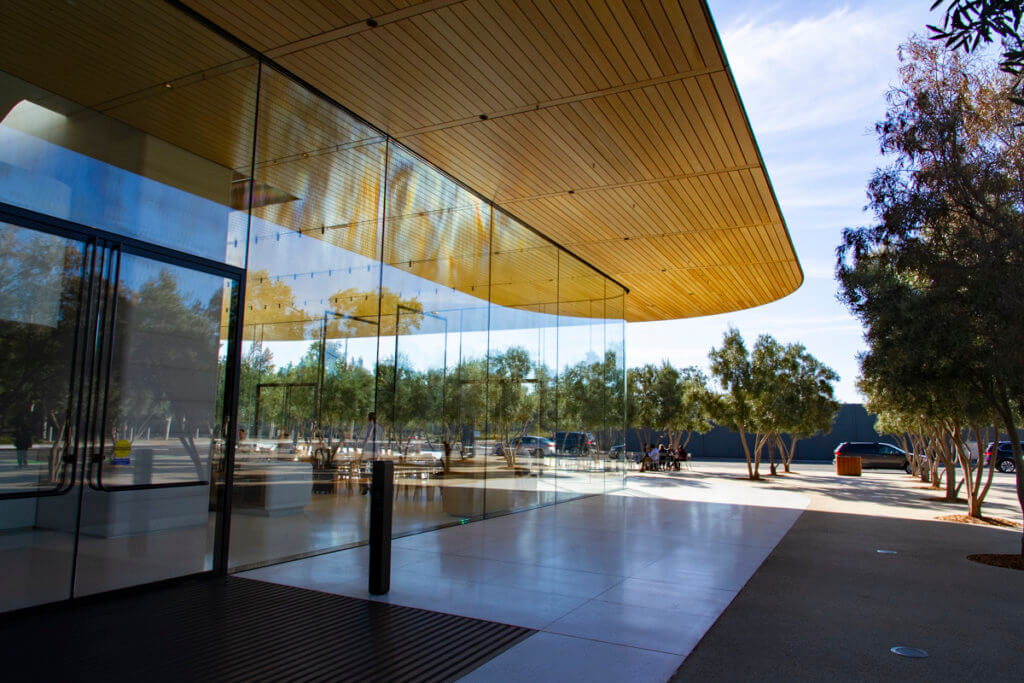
column 241, row 629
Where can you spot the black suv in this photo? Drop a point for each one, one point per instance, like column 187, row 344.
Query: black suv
column 1004, row 456
column 575, row 443
column 875, row 455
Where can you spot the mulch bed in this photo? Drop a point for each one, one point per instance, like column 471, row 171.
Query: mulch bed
column 983, row 521
column 1004, row 561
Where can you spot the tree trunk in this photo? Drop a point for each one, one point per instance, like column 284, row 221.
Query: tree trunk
column 792, row 451
column 926, row 469
column 945, row 445
column 746, row 453
column 933, row 463
column 757, row 457
column 968, row 481
column 1006, row 413
column 991, row 463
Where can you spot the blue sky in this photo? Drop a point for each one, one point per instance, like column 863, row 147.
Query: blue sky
column 813, row 77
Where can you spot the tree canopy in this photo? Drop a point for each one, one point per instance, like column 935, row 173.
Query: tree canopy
column 936, row 279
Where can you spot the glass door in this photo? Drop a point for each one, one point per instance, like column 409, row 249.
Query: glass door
column 114, row 371
column 43, row 290
column 146, row 502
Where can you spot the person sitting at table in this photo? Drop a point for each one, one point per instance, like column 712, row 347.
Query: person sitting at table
column 682, row 456
column 645, row 461
column 655, row 455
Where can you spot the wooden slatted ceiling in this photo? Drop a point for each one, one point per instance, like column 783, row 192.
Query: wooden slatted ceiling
column 628, row 104
column 54, row 38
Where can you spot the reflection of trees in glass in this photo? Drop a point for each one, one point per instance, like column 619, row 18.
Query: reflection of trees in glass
column 591, row 398
column 511, row 398
column 286, row 401
column 40, row 281
column 404, row 403
column 347, row 394
column 270, row 304
column 165, row 358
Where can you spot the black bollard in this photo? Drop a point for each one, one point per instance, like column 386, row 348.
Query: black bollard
column 381, row 501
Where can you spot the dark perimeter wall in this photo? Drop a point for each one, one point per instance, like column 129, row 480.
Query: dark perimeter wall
column 853, row 423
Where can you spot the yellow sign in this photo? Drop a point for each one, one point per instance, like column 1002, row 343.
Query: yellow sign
column 122, row 448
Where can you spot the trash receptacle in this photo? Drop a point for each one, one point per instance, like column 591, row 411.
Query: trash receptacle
column 848, row 465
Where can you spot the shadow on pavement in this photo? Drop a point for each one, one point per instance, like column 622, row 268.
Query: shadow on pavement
column 827, row 605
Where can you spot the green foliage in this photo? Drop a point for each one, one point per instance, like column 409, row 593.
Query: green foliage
column 778, row 389
column 968, row 24
column 936, row 281
column 731, row 367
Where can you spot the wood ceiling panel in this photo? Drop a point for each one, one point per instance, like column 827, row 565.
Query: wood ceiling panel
column 267, row 24
column 128, row 47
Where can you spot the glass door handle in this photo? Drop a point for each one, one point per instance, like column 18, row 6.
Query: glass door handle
column 64, row 484
column 98, row 485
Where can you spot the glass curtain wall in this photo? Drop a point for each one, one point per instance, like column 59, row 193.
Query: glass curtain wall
column 311, row 329
column 122, row 148
column 387, row 311
column 521, row 369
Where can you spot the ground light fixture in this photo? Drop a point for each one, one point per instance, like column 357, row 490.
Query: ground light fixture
column 905, row 651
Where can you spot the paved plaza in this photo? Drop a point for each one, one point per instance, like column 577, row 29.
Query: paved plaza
column 619, row 587
column 624, row 586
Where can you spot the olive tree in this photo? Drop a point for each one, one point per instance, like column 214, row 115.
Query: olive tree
column 936, row 280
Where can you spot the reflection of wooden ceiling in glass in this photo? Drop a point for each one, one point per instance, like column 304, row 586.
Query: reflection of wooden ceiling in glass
column 613, row 127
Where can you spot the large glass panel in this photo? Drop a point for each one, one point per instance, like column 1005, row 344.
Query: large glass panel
column 145, row 510
column 40, row 289
column 581, row 441
column 614, row 435
column 522, row 367
column 311, row 323
column 143, row 131
column 138, row 122
column 433, row 341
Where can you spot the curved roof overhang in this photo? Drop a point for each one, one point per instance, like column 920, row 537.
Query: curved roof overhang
column 615, row 129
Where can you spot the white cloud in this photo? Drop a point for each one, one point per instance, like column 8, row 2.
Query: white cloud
column 819, row 70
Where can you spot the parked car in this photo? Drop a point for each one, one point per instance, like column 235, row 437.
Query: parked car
column 1004, row 456
column 575, row 443
column 529, row 445
column 875, row 455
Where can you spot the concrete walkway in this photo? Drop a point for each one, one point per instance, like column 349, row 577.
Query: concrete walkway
column 620, row 586
column 826, row 605
column 624, row 586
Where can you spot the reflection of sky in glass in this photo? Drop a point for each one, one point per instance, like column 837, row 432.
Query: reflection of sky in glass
column 51, row 179
column 44, row 177
column 316, row 270
column 194, row 288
